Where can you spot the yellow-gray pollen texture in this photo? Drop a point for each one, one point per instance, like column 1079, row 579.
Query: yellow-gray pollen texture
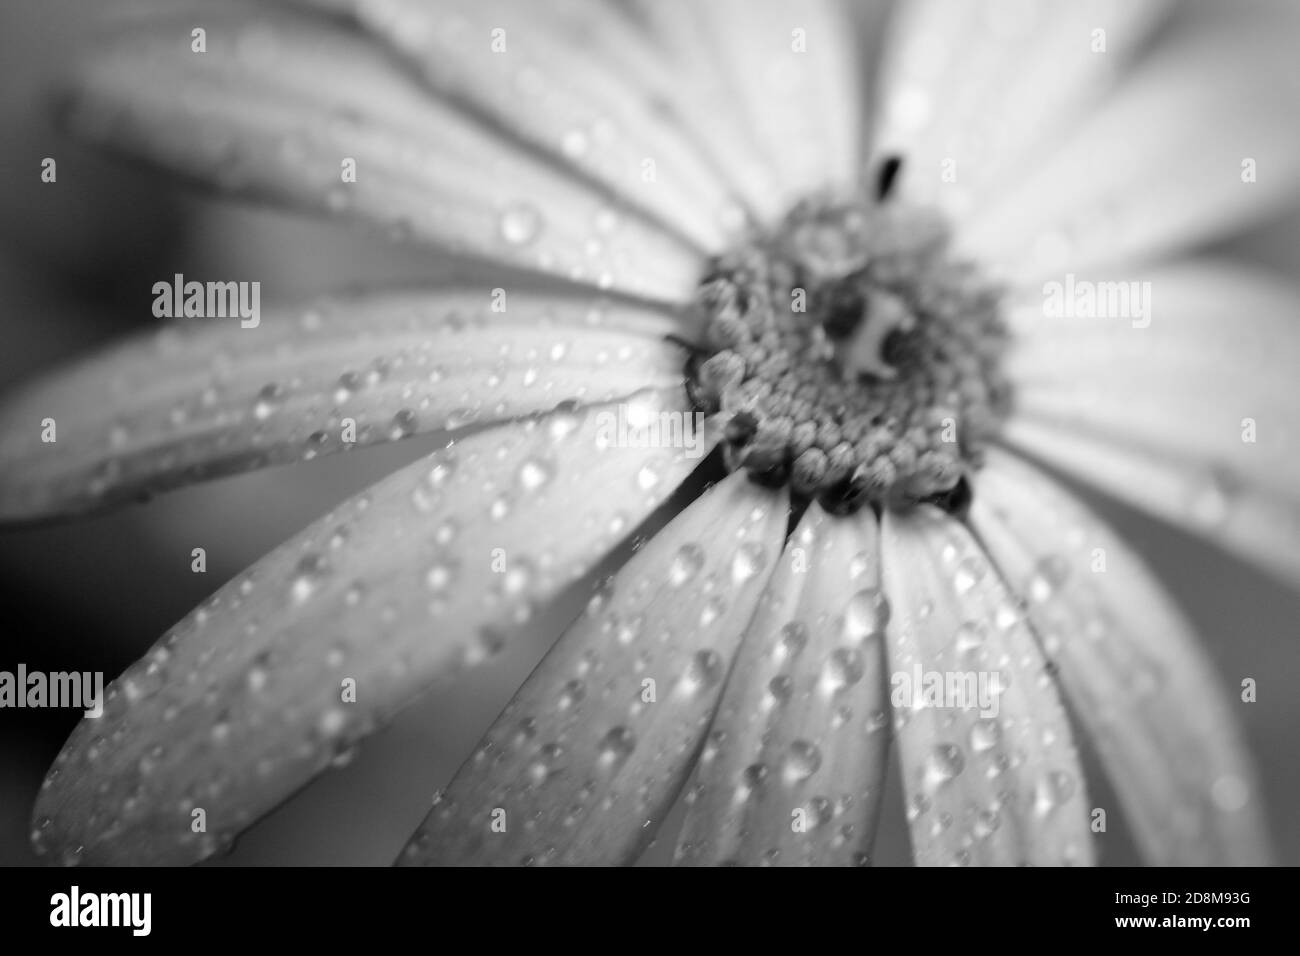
column 851, row 356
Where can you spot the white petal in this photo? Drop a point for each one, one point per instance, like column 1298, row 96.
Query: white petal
column 793, row 767
column 1187, row 409
column 574, row 79
column 786, row 72
column 990, row 771
column 979, row 89
column 247, row 699
column 212, row 398
column 1162, row 165
column 1130, row 667
column 587, row 758
column 278, row 106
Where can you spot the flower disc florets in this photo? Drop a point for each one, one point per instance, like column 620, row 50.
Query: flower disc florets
column 851, row 357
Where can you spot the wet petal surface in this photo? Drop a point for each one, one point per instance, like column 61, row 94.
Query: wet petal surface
column 279, row 674
column 587, row 758
column 990, row 771
column 792, row 770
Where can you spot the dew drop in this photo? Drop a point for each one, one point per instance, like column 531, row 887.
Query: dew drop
column 442, row 470
column 403, row 424
column 648, row 476
column 1051, row 791
column 572, row 692
column 534, row 473
column 985, row 735
column 268, row 400
column 307, row 578
column 706, row 671
column 970, row 571
column 794, row 636
column 565, row 420
column 866, row 615
column 615, row 747
column 686, row 564
column 1049, row 574
column 749, row 559
column 441, row 575
column 802, row 760
column 942, row 764
column 844, row 668
column 520, row 223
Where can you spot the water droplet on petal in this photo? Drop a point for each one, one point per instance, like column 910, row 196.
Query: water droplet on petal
column 403, row 424
column 802, row 760
column 520, row 223
column 536, row 472
column 307, row 578
column 844, row 668
column 686, row 564
column 615, row 747
column 268, row 400
column 749, row 559
column 866, row 615
column 942, row 764
column 706, row 670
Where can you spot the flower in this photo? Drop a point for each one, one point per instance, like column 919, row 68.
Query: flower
column 856, row 576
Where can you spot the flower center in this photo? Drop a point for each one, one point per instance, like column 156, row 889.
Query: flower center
column 851, row 356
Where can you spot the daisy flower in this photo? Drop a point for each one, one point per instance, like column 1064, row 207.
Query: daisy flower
column 880, row 278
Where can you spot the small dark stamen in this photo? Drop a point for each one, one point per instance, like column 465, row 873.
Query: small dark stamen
column 774, row 475
column 887, row 176
column 956, row 500
column 900, row 348
column 846, row 497
column 742, row 427
column 694, row 393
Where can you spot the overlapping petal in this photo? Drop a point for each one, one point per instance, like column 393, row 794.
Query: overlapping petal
column 266, row 112
column 782, row 72
column 1173, row 390
column 1198, row 142
column 288, row 665
column 976, row 91
column 209, row 398
column 1131, row 668
column 990, row 771
column 589, row 755
column 794, row 764
column 575, row 80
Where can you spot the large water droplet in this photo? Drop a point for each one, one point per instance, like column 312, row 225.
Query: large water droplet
column 706, row 671
column 802, row 760
column 970, row 571
column 686, row 564
column 748, row 560
column 942, row 764
column 866, row 615
column 535, row 473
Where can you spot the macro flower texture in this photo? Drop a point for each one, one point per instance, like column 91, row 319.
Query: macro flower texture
column 827, row 314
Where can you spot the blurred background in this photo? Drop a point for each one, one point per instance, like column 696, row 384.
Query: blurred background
column 77, row 263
